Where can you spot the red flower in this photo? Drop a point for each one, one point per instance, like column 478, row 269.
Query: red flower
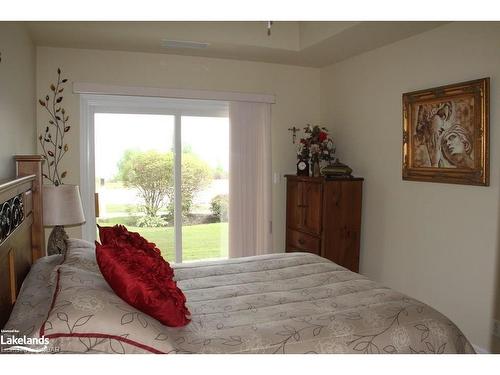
column 323, row 136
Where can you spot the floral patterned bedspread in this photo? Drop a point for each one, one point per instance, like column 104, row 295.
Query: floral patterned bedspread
column 280, row 303
column 302, row 303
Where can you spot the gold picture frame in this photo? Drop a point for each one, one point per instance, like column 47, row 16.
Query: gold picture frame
column 446, row 134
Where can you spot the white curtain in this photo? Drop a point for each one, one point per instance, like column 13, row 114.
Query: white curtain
column 250, row 179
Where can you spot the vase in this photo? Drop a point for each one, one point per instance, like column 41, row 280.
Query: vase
column 316, row 170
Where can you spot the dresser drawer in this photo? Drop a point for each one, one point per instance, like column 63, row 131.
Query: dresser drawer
column 299, row 241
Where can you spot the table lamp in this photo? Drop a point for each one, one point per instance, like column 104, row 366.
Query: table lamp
column 62, row 206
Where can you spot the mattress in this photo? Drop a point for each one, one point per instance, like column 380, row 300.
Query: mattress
column 280, row 303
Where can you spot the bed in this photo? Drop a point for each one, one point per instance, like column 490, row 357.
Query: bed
column 279, row 303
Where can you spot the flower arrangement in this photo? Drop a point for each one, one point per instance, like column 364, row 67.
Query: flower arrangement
column 316, row 145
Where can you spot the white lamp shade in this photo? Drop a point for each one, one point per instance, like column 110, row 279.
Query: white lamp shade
column 62, row 205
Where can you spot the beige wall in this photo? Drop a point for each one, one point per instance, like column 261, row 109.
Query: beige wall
column 296, row 89
column 17, row 95
column 435, row 242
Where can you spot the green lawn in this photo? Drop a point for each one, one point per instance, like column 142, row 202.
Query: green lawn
column 119, row 208
column 198, row 241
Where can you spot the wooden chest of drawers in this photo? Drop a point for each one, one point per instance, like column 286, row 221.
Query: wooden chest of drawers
column 324, row 217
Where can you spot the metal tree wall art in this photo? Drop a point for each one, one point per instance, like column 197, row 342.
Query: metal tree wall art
column 52, row 140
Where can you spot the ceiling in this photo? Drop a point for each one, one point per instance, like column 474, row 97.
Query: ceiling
column 314, row 44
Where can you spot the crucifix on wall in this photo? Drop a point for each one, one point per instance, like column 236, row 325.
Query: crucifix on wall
column 294, row 131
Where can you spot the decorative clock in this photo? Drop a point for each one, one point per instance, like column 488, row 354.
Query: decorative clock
column 302, row 167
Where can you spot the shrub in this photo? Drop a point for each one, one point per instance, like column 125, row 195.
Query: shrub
column 151, row 222
column 219, row 206
column 196, row 175
column 152, row 174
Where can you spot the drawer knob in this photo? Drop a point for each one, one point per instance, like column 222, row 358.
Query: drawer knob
column 301, row 241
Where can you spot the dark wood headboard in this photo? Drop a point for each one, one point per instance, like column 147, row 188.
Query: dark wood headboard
column 21, row 229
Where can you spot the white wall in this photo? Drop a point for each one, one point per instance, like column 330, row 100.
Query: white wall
column 296, row 88
column 17, row 95
column 435, row 242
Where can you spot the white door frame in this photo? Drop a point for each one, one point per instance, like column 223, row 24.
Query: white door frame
column 91, row 104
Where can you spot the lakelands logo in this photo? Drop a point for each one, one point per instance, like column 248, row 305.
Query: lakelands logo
column 11, row 341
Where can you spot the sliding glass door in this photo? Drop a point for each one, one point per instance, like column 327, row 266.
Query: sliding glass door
column 205, row 187
column 164, row 173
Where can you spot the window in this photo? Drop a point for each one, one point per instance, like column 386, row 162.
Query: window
column 161, row 168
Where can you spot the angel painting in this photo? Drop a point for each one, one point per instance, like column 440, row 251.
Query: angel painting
column 445, row 134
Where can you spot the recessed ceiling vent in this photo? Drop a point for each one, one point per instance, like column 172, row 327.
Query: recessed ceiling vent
column 167, row 43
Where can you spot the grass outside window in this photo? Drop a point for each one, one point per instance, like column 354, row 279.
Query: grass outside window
column 203, row 241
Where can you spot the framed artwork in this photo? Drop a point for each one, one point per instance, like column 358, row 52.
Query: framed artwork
column 446, row 134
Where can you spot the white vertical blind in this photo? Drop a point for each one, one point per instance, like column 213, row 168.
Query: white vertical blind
column 250, row 179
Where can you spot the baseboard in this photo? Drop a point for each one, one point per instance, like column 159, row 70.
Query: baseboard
column 480, row 350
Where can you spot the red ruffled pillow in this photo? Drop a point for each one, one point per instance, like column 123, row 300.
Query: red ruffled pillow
column 120, row 233
column 144, row 282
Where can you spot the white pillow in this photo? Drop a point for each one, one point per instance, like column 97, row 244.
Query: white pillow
column 87, row 316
